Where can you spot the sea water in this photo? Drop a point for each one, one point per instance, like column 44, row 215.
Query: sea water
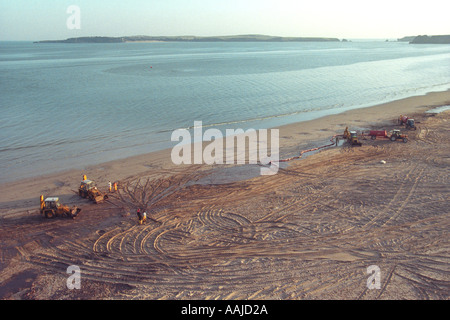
column 68, row 106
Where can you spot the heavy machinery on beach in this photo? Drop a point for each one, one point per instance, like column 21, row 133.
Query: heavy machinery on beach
column 378, row 133
column 89, row 190
column 408, row 122
column 351, row 137
column 397, row 135
column 51, row 208
column 392, row 135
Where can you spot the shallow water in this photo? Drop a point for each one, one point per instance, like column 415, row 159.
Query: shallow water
column 438, row 109
column 72, row 105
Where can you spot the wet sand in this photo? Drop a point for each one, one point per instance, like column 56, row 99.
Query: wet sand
column 308, row 232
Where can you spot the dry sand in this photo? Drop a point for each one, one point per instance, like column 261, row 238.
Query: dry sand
column 308, row 232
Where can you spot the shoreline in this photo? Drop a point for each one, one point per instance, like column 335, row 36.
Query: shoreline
column 293, row 138
column 334, row 213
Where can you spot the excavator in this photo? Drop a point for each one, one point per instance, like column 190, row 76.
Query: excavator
column 51, row 208
column 351, row 137
column 89, row 190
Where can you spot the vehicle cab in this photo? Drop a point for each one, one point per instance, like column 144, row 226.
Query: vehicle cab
column 87, row 185
column 52, row 203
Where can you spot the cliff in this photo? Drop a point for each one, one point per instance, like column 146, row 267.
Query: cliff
column 444, row 39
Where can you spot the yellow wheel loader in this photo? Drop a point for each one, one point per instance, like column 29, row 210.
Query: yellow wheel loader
column 89, row 190
column 51, row 208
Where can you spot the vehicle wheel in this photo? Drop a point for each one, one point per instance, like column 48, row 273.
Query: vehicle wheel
column 405, row 140
column 49, row 214
column 393, row 138
column 373, row 137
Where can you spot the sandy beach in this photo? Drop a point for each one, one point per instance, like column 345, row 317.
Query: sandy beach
column 308, row 232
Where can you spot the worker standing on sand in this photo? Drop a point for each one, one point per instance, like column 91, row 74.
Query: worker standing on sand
column 110, row 186
column 139, row 214
column 144, row 218
column 115, row 186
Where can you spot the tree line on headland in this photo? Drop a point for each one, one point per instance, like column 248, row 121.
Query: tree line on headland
column 237, row 38
column 422, row 39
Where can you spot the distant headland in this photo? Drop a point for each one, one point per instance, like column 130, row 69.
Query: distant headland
column 444, row 39
column 236, row 38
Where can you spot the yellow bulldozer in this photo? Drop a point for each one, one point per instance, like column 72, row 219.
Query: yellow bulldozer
column 351, row 137
column 89, row 190
column 51, row 208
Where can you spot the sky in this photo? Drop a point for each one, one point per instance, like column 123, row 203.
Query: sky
column 33, row 20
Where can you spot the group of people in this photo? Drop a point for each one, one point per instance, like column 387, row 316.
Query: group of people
column 142, row 216
column 112, row 186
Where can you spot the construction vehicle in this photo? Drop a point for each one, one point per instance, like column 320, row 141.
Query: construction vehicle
column 402, row 119
column 377, row 133
column 393, row 135
column 351, row 137
column 408, row 122
column 51, row 208
column 397, row 135
column 89, row 190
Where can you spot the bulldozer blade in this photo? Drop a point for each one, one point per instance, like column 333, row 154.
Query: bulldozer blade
column 75, row 211
column 101, row 198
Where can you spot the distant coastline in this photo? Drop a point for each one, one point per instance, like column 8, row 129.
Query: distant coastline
column 445, row 39
column 442, row 39
column 236, row 38
column 421, row 39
